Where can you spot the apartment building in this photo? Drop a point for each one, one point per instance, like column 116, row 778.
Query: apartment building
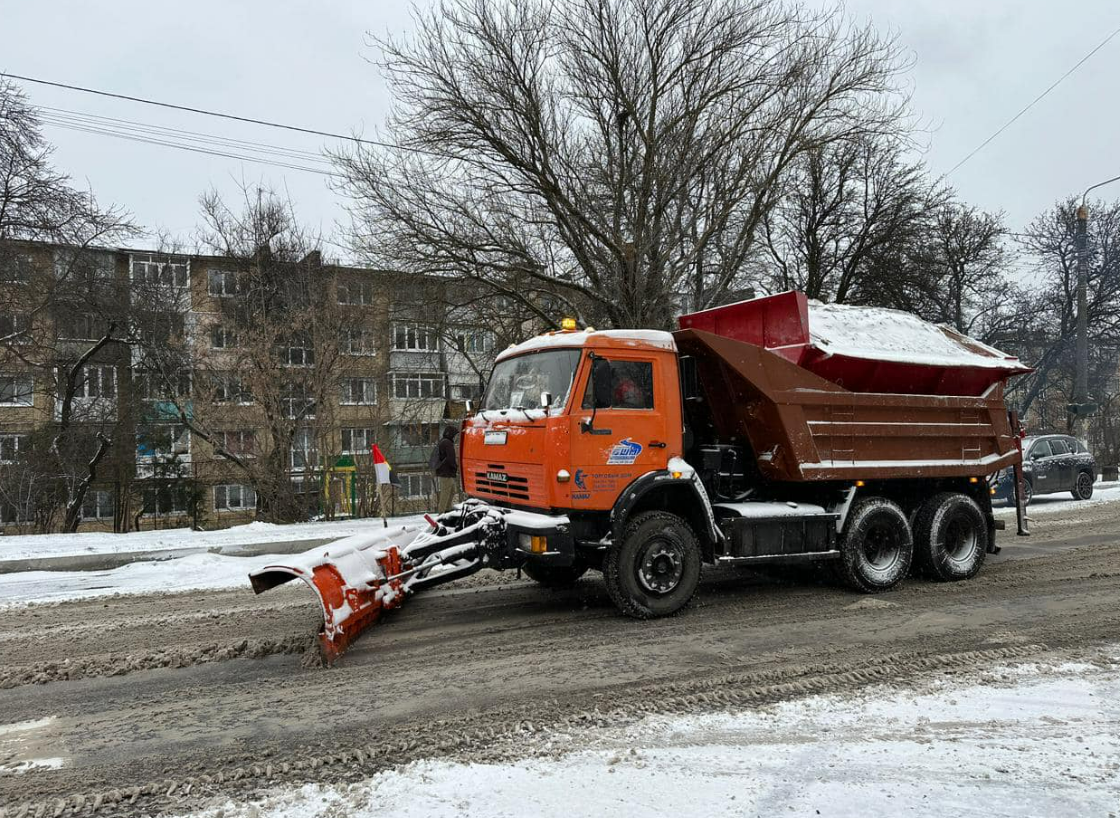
column 228, row 386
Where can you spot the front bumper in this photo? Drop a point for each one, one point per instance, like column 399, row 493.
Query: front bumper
column 533, row 537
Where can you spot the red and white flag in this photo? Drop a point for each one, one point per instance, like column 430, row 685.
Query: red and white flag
column 381, row 467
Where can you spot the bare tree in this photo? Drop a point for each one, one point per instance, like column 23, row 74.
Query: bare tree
column 1047, row 336
column 262, row 397
column 63, row 320
column 853, row 214
column 616, row 155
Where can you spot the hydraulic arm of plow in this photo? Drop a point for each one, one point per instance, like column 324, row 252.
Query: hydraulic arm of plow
column 358, row 578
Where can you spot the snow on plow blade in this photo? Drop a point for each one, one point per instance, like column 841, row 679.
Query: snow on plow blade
column 358, row 578
column 353, row 579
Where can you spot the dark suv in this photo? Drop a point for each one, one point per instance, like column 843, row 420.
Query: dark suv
column 1051, row 463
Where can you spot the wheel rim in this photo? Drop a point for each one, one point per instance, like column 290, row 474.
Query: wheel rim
column 660, row 566
column 960, row 539
column 1084, row 484
column 881, row 547
column 1028, row 492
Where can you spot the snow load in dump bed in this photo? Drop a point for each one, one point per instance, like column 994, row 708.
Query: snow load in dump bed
column 863, row 349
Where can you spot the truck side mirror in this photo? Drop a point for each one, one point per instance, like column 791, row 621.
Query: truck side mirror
column 469, row 407
column 601, row 383
column 546, row 400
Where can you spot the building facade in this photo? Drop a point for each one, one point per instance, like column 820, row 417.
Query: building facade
column 213, row 390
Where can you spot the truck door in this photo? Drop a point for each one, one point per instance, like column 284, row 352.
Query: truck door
column 627, row 434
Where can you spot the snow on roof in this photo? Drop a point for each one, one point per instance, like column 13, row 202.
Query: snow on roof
column 552, row 340
column 892, row 335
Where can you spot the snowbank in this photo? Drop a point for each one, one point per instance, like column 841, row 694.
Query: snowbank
column 881, row 334
column 31, row 546
column 197, row 571
column 1036, row 741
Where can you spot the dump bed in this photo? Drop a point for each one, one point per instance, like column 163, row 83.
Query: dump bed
column 863, row 349
column 805, row 427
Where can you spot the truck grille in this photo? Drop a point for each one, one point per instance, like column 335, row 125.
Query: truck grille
column 514, row 482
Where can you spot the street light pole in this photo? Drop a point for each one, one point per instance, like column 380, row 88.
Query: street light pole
column 1081, row 407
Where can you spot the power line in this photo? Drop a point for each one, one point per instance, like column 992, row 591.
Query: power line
column 1036, row 100
column 191, row 110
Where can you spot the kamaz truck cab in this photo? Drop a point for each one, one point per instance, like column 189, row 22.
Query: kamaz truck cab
column 587, row 427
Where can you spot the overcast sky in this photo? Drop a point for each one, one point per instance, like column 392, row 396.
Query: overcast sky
column 306, row 63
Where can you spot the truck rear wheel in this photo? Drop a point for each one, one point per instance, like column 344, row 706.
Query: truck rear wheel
column 555, row 576
column 877, row 546
column 950, row 537
column 655, row 568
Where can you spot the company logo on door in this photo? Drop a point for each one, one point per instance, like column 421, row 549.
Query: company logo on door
column 624, row 453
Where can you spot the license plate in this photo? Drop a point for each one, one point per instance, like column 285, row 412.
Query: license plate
column 494, row 438
column 497, row 477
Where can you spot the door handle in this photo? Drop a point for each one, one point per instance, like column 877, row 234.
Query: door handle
column 656, row 444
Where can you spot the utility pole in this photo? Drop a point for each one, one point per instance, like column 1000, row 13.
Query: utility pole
column 1081, row 407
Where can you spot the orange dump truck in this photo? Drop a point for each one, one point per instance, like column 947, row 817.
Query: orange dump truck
column 770, row 431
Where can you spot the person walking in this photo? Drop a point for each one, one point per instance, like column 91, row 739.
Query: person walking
column 446, row 469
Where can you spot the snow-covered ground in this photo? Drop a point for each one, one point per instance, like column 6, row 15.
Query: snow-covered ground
column 1063, row 502
column 1018, row 741
column 31, row 546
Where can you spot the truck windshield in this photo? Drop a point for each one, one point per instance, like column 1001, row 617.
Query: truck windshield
column 517, row 383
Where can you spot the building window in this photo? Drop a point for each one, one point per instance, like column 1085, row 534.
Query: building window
column 98, row 505
column 298, row 352
column 97, row 382
column 17, row 512
column 222, row 283
column 167, row 271
column 234, row 497
column 222, row 337
column 241, row 442
column 165, row 500
column 357, row 441
column 419, row 385
column 150, row 386
column 15, row 268
column 466, row 391
column 357, row 293
column 230, row 388
column 358, row 391
column 16, row 390
column 415, row 338
column 84, row 327
column 12, row 446
column 302, row 484
column 419, row 434
column 83, row 267
column 305, row 452
column 474, row 341
column 357, row 342
column 416, row 485
column 297, row 402
column 163, row 440
column 14, row 327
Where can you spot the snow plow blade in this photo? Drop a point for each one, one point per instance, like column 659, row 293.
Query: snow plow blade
column 359, row 578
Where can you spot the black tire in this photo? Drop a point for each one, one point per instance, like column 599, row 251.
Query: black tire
column 555, row 576
column 1083, row 487
column 950, row 537
column 655, row 568
column 876, row 548
column 1028, row 493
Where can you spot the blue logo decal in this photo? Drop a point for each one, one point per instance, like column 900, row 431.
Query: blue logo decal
column 580, row 484
column 624, row 453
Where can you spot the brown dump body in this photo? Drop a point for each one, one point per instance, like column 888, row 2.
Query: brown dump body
column 802, row 427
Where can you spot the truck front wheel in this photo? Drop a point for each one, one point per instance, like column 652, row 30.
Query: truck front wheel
column 950, row 537
column 655, row 568
column 877, row 546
